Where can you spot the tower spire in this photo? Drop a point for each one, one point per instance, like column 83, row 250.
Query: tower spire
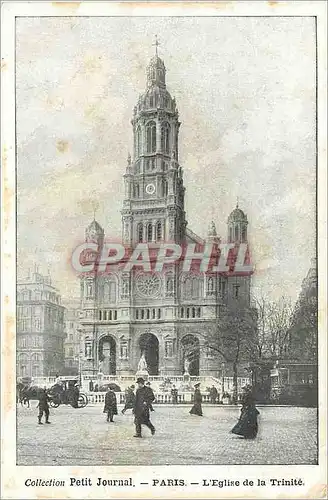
column 156, row 44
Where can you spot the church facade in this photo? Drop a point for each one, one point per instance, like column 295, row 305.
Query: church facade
column 164, row 317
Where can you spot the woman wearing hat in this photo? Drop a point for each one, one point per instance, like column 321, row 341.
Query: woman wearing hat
column 197, row 408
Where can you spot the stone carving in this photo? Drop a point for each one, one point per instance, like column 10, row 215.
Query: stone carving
column 186, row 366
column 142, row 365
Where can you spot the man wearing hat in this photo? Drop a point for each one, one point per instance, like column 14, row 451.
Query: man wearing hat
column 197, row 408
column 141, row 408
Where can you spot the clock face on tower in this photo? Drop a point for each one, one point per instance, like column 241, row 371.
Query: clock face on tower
column 150, row 189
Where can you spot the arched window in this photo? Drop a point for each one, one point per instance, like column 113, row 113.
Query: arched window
column 195, row 288
column 136, row 191
column 244, row 236
column 165, row 187
column 151, row 101
column 237, row 233
column 159, row 231
column 112, row 291
column 151, row 137
column 140, row 232
column 188, row 288
column 139, row 141
column 149, row 232
column 165, row 138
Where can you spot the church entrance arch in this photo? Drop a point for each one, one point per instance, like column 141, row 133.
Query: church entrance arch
column 149, row 346
column 107, row 355
column 190, row 354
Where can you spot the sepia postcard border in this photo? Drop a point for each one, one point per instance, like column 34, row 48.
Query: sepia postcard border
column 13, row 476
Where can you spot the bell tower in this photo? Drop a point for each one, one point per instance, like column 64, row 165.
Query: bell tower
column 153, row 208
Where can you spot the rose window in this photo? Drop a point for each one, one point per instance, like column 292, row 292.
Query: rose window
column 148, row 285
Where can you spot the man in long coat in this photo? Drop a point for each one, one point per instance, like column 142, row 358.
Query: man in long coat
column 197, row 408
column 43, row 405
column 143, row 400
column 129, row 399
column 110, row 405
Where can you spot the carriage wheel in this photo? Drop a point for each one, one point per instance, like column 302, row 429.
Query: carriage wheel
column 83, row 400
column 54, row 403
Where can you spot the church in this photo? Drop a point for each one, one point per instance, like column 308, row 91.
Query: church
column 161, row 318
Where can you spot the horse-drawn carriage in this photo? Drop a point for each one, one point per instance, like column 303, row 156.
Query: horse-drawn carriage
column 63, row 392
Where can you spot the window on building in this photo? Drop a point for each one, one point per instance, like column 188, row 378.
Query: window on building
column 149, row 232
column 236, row 291
column 70, row 352
column 151, row 137
column 195, row 288
column 25, row 325
column 159, row 231
column 165, row 187
column 140, row 232
column 222, row 287
column 124, row 350
column 36, row 371
column 136, row 191
column 165, row 138
column 37, row 324
column 112, row 291
column 139, row 142
column 89, row 290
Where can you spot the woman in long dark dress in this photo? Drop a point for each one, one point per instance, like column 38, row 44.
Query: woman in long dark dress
column 110, row 405
column 197, row 407
column 247, row 425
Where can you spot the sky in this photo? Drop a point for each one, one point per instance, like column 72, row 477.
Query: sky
column 245, row 90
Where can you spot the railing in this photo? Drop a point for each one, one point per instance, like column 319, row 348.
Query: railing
column 160, row 398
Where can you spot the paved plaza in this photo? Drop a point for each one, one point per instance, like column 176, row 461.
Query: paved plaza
column 82, row 437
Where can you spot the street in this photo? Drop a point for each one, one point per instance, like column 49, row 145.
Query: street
column 287, row 435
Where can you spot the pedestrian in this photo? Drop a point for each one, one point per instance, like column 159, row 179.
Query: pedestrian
column 213, row 394
column 110, row 405
column 129, row 399
column 75, row 395
column 43, row 405
column 143, row 400
column 247, row 425
column 91, row 386
column 174, row 394
column 151, row 396
column 197, row 407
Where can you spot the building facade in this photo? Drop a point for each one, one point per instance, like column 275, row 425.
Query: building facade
column 40, row 327
column 72, row 342
column 165, row 316
column 294, row 380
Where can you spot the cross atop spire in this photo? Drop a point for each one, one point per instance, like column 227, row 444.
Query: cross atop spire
column 237, row 204
column 156, row 44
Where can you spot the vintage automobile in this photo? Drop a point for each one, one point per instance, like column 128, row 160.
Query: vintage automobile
column 63, row 393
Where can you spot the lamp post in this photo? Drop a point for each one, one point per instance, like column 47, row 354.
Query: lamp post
column 223, row 367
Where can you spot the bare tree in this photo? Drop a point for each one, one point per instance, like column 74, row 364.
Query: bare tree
column 233, row 337
column 274, row 322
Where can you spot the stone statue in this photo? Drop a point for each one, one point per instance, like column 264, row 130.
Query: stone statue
column 100, row 367
column 142, row 365
column 186, row 365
